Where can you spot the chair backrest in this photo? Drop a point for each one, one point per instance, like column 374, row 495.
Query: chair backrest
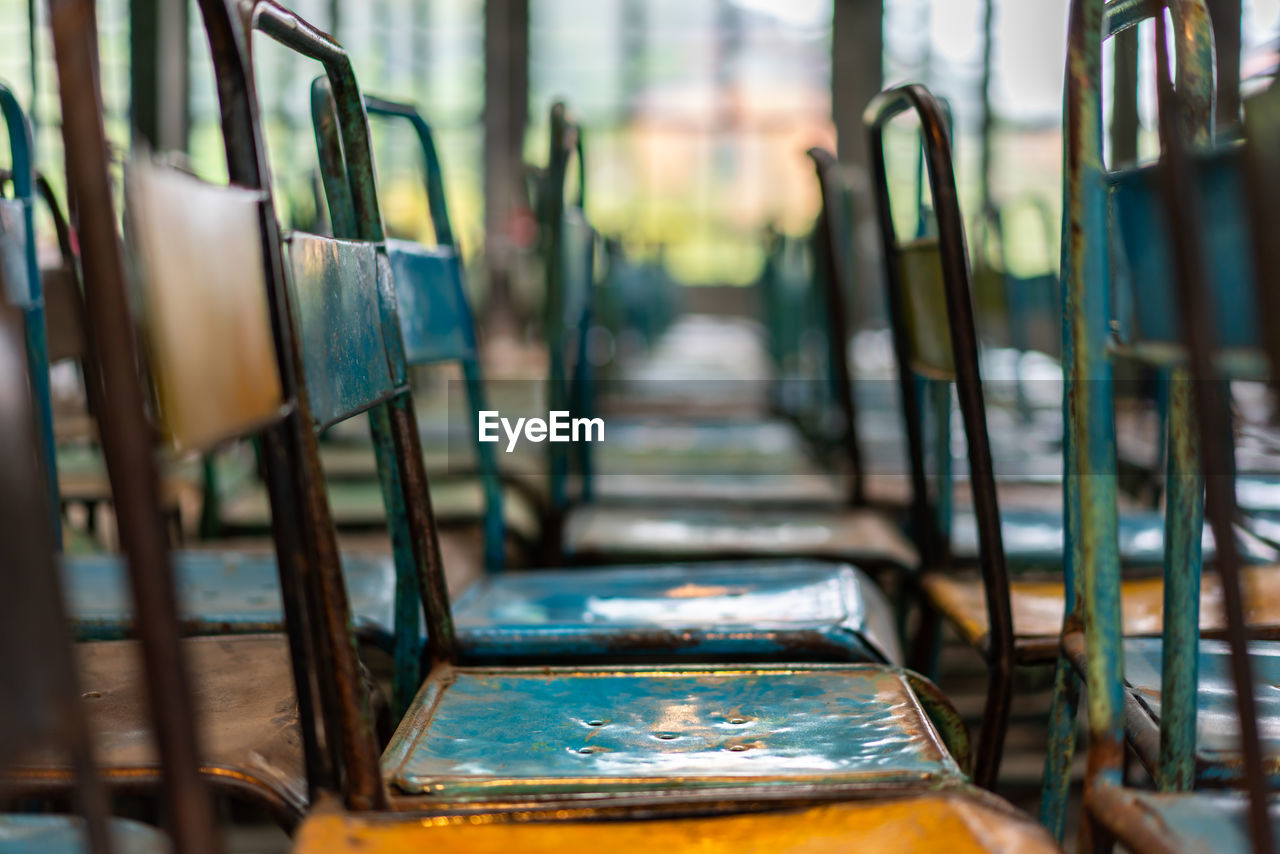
column 22, row 275
column 436, row 321
column 833, row 262
column 124, row 427
column 367, row 373
column 949, row 270
column 568, row 245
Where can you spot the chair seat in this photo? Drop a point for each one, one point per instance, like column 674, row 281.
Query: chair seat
column 1038, row 606
column 814, row 488
column 358, row 504
column 483, row 733
column 238, row 592
column 1034, row 538
column 757, row 611
column 64, row 834
column 966, row 823
column 1194, row 822
column 1218, row 760
column 249, row 732
column 222, row 593
column 715, row 446
column 862, row 536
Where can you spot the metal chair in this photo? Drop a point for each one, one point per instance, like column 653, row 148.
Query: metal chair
column 1157, row 703
column 44, row 710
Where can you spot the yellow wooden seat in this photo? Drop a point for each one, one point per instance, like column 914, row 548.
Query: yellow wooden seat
column 1038, row 607
column 959, row 822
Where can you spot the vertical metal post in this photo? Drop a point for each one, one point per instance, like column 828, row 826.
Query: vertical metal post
column 158, row 79
column 506, row 114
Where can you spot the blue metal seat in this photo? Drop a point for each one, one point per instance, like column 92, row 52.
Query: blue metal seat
column 1194, row 822
column 628, row 730
column 788, row 611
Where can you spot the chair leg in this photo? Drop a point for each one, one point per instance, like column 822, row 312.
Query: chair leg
column 995, row 725
column 927, row 645
column 1056, row 786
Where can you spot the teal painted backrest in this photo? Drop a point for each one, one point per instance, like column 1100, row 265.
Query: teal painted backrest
column 435, row 318
column 336, row 295
column 1145, row 243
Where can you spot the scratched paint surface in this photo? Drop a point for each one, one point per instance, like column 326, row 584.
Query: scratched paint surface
column 966, row 825
column 62, row 834
column 339, row 311
column 855, row 535
column 771, row 609
column 1217, row 723
column 496, row 731
column 219, row 593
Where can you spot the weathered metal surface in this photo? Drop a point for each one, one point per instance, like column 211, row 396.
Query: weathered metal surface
column 250, row 742
column 864, row 537
column 64, row 834
column 1216, row 760
column 1187, row 823
column 629, row 730
column 914, row 823
column 223, row 592
column 1184, row 518
column 208, row 329
column 1089, row 447
column 335, row 285
column 792, row 611
column 1139, row 216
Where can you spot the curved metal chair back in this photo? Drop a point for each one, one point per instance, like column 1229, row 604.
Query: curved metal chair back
column 436, row 321
column 956, row 305
column 22, row 275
